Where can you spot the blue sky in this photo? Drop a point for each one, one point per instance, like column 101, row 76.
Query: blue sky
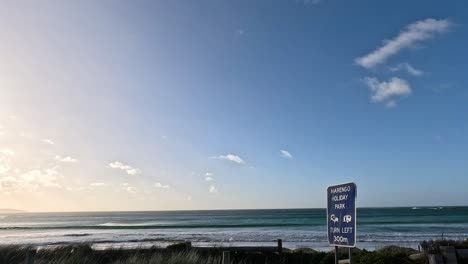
column 154, row 105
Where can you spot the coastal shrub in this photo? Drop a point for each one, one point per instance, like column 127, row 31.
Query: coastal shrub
column 328, row 258
column 382, row 257
column 433, row 246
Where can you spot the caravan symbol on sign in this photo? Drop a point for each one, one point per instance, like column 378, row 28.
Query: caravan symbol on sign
column 341, row 215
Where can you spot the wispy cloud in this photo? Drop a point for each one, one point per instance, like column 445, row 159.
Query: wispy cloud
column 131, row 189
column 7, row 152
column 97, row 184
column 240, row 32
column 65, row 159
column 212, row 189
column 13, row 179
column 161, row 186
column 127, row 168
column 36, row 178
column 32, row 180
column 5, row 161
column 387, row 91
column 48, row 141
column 285, row 154
column 209, row 178
column 128, row 188
column 231, row 157
column 408, row 68
column 411, row 35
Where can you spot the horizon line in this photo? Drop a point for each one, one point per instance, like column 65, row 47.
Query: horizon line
column 234, row 209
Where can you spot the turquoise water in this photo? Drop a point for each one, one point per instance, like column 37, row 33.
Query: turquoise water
column 376, row 227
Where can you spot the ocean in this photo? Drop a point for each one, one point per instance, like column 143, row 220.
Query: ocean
column 376, row 227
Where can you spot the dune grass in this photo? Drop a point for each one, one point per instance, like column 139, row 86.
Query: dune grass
column 84, row 254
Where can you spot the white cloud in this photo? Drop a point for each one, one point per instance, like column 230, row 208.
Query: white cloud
column 97, row 184
column 133, row 171
column 65, row 159
column 4, row 168
column 7, row 152
column 48, row 141
column 76, row 189
column 209, row 174
column 387, row 91
column 127, row 168
column 285, row 154
column 209, row 178
column 213, row 189
column 30, row 180
column 232, row 157
column 41, row 178
column 13, row 180
column 127, row 187
column 10, row 184
column 408, row 68
column 161, row 186
column 131, row 189
column 189, row 198
column 416, row 32
column 5, row 160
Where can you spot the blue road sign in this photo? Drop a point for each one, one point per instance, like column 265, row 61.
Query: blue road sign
column 341, row 215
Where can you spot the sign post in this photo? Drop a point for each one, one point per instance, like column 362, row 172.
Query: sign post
column 341, row 217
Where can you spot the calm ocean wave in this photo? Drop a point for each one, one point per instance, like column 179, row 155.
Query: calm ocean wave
column 297, row 227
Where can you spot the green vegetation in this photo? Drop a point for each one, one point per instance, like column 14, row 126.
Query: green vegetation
column 84, row 254
column 433, row 246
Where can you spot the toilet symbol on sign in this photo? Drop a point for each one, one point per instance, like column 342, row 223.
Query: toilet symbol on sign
column 347, row 218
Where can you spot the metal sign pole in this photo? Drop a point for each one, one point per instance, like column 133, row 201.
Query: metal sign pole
column 350, row 256
column 336, row 255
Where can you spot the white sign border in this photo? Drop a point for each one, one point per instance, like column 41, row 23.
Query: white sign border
column 355, row 217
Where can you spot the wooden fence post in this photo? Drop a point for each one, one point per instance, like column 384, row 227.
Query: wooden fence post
column 280, row 246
